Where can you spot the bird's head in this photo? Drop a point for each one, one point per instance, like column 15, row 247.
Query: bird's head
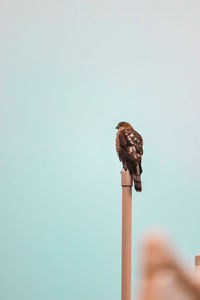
column 124, row 125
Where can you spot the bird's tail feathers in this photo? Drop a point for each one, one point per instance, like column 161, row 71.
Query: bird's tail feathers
column 137, row 180
column 137, row 183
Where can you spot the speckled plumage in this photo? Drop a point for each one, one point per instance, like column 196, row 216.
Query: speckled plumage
column 129, row 147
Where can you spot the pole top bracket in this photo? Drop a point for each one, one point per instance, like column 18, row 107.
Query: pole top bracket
column 126, row 179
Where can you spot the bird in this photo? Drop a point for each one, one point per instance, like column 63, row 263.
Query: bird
column 129, row 147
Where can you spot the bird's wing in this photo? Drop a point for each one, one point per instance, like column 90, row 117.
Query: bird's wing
column 132, row 143
column 135, row 140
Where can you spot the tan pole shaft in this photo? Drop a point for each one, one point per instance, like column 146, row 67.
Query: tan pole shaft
column 126, row 234
column 197, row 263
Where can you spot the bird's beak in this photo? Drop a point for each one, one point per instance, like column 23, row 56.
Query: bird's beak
column 116, row 127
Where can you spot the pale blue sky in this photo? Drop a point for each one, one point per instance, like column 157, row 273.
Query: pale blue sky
column 70, row 71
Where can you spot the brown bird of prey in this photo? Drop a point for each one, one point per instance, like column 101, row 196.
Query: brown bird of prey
column 129, row 146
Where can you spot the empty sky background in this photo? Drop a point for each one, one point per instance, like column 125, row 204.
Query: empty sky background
column 70, row 71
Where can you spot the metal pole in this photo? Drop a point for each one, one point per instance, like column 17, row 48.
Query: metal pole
column 126, row 182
